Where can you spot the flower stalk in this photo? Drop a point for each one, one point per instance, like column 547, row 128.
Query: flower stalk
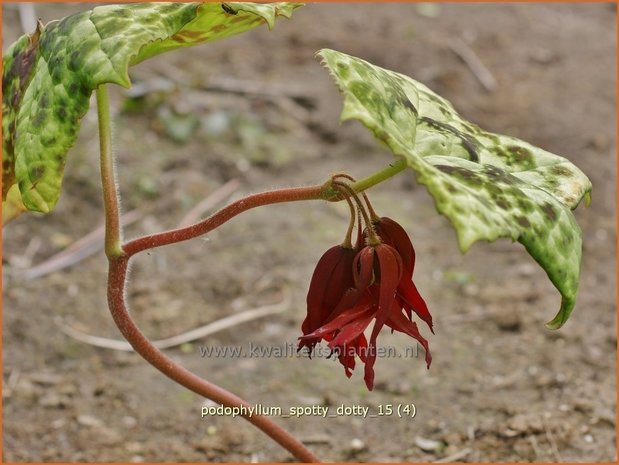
column 372, row 180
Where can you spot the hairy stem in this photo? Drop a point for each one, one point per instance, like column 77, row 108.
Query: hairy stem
column 108, row 179
column 371, row 210
column 223, row 215
column 143, row 346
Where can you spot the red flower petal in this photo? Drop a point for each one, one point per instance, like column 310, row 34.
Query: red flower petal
column 352, row 330
column 332, row 277
column 412, row 300
column 347, row 354
column 390, row 265
column 339, row 321
column 399, row 322
column 363, row 268
column 395, row 235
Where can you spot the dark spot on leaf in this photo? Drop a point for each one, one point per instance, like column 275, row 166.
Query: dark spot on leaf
column 457, row 171
column 48, row 141
column 406, row 103
column 238, row 19
column 561, row 171
column 566, row 241
column 367, row 95
column 342, row 69
column 550, row 182
column 219, row 28
column 61, row 114
column 522, row 221
column 228, row 9
column 188, row 36
column 36, row 172
column 85, row 90
column 22, row 66
column 38, row 119
column 549, row 211
column 6, row 165
column 493, row 171
column 503, row 204
column 74, row 63
column 493, row 189
column 468, row 142
column 521, row 155
column 122, row 13
column 44, row 101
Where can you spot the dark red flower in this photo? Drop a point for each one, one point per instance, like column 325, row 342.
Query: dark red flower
column 393, row 234
column 351, row 287
column 377, row 272
column 331, row 279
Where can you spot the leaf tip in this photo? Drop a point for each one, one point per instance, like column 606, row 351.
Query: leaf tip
column 33, row 201
column 554, row 324
column 567, row 305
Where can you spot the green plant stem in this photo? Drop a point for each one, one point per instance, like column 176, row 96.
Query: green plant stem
column 108, row 179
column 361, row 185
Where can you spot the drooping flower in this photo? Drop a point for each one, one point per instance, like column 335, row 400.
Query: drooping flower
column 381, row 290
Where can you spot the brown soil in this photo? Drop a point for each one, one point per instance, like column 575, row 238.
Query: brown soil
column 501, row 386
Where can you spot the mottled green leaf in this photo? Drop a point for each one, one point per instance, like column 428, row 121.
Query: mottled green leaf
column 48, row 76
column 488, row 185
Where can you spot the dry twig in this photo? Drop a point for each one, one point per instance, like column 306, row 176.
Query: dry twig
column 83, row 248
column 454, row 457
column 477, row 67
column 189, row 336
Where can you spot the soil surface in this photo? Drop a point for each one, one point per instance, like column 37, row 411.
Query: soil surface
column 501, row 387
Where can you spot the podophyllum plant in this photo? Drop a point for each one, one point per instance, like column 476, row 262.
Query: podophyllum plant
column 488, row 185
